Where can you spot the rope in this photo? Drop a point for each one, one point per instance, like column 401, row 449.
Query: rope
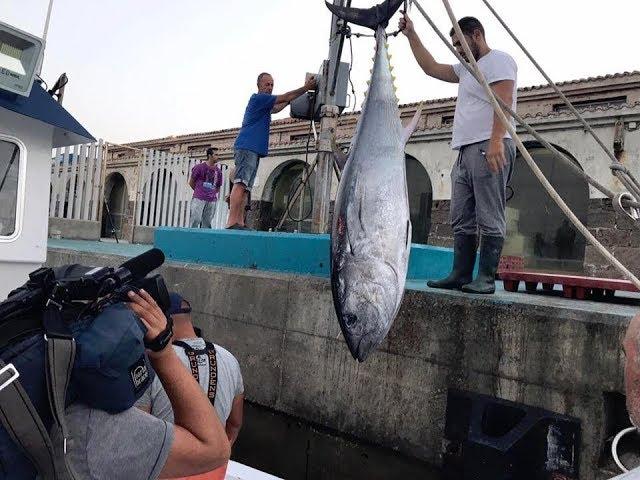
column 614, row 447
column 617, row 168
column 525, row 154
column 554, row 151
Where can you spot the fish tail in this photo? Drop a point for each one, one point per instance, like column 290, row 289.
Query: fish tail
column 367, row 17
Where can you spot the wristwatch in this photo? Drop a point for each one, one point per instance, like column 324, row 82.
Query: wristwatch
column 163, row 339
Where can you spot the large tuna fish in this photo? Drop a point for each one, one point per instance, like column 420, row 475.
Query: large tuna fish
column 371, row 231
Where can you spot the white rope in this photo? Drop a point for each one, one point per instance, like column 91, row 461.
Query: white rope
column 618, row 170
column 525, row 154
column 614, row 447
column 628, row 202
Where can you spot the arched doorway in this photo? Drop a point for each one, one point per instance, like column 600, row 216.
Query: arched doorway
column 280, row 187
column 420, row 200
column 536, row 228
column 115, row 208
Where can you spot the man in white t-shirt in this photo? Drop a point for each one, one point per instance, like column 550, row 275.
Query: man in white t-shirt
column 485, row 155
column 221, row 378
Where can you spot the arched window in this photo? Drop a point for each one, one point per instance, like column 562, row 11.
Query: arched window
column 280, row 187
column 115, row 208
column 420, row 200
column 537, row 230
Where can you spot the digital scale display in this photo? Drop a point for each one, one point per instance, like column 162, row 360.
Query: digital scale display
column 20, row 55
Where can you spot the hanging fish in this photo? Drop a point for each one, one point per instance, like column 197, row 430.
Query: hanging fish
column 371, row 230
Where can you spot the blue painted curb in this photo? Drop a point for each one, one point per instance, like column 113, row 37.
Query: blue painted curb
column 281, row 252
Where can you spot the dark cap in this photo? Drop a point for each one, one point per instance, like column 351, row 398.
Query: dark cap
column 176, row 304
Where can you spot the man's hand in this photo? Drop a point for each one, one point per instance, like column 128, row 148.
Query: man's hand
column 405, row 25
column 311, row 83
column 495, row 156
column 149, row 312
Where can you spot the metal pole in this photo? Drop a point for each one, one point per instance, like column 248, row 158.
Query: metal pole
column 328, row 126
column 45, row 33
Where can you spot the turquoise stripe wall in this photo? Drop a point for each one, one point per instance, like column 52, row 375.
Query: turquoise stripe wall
column 281, row 252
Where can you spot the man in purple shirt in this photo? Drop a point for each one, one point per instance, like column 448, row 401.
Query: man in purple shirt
column 206, row 180
column 253, row 141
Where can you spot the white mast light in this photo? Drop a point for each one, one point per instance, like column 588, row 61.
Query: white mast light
column 20, row 55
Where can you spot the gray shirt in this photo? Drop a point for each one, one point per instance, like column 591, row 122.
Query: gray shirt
column 473, row 120
column 123, row 446
column 229, row 384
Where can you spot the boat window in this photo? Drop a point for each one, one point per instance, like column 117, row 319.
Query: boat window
column 9, row 172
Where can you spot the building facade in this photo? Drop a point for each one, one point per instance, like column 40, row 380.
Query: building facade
column 537, row 229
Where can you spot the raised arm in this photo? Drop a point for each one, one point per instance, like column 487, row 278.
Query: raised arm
column 278, row 107
column 310, row 84
column 200, row 443
column 422, row 55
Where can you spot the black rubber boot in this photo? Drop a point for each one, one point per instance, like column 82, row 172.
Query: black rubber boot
column 490, row 250
column 464, row 259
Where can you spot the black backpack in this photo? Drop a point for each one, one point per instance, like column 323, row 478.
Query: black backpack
column 54, row 356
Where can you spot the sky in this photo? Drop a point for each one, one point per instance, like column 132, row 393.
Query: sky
column 143, row 69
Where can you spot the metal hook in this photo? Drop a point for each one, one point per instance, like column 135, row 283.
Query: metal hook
column 631, row 212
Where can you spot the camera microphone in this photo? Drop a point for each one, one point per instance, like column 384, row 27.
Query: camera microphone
column 145, row 263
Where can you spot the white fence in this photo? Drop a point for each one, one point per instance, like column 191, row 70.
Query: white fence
column 164, row 195
column 76, row 174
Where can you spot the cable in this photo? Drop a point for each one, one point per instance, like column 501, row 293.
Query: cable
column 353, row 89
column 302, row 180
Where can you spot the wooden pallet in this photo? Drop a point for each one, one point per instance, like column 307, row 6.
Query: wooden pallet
column 573, row 286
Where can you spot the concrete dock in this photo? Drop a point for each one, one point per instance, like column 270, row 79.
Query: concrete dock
column 542, row 351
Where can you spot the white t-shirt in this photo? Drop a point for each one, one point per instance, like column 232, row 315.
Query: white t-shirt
column 229, row 385
column 473, row 120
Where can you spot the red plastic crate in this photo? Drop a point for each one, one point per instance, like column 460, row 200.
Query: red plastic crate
column 573, row 286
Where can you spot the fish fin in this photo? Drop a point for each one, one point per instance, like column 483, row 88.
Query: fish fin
column 367, row 17
column 413, row 124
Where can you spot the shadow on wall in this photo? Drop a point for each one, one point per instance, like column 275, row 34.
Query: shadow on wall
column 420, row 200
column 537, row 228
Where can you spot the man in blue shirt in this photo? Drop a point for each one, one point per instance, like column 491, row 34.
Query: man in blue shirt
column 253, row 141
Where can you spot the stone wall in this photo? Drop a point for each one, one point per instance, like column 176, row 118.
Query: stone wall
column 616, row 232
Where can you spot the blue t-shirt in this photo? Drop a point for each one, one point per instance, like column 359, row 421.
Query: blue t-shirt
column 254, row 134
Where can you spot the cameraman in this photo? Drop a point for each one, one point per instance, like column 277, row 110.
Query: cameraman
column 134, row 444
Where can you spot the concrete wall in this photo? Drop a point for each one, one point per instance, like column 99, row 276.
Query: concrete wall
column 550, row 353
column 143, row 235
column 74, row 229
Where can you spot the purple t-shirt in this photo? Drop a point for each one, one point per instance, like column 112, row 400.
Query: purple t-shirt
column 207, row 181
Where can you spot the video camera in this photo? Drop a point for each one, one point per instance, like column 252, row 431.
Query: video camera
column 68, row 336
column 75, row 283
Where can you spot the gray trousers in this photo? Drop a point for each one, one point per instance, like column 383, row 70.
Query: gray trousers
column 202, row 213
column 478, row 196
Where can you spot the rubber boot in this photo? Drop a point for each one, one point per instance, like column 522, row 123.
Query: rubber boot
column 464, row 259
column 490, row 250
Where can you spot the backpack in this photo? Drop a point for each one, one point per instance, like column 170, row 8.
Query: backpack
column 54, row 357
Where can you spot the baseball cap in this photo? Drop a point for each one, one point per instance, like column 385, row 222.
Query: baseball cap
column 176, row 304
